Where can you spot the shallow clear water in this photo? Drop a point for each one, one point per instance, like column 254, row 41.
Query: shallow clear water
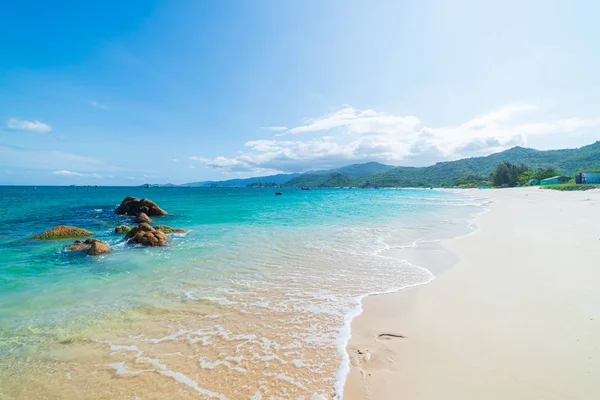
column 254, row 302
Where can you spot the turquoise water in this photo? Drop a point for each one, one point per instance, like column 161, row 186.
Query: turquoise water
column 302, row 259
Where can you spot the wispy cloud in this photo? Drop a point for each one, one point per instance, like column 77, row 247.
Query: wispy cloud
column 353, row 135
column 274, row 128
column 175, row 160
column 65, row 173
column 358, row 122
column 15, row 124
column 98, row 105
column 50, row 160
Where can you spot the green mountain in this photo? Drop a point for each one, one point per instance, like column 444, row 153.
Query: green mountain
column 242, row 182
column 338, row 179
column 372, row 174
column 567, row 162
column 311, row 180
column 362, row 170
column 357, row 170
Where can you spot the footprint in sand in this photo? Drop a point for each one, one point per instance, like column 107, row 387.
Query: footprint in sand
column 388, row 336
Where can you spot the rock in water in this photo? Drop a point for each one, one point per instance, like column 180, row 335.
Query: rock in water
column 122, row 229
column 98, row 247
column 142, row 217
column 133, row 206
column 78, row 245
column 146, row 235
column 92, row 247
column 128, row 205
column 151, row 208
column 62, row 232
column 168, row 229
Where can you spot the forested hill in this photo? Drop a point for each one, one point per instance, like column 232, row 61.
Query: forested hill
column 567, row 162
column 277, row 179
column 355, row 170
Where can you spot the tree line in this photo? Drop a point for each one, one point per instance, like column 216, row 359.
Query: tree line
column 508, row 174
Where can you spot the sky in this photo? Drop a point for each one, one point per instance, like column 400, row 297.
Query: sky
column 124, row 93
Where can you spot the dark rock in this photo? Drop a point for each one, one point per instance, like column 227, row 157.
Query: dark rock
column 142, row 217
column 62, row 232
column 146, row 235
column 132, row 206
column 278, row 194
column 122, row 229
column 92, row 247
column 128, row 206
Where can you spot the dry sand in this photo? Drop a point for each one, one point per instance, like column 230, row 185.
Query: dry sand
column 516, row 317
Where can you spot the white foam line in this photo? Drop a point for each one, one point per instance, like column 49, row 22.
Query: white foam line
column 170, row 337
column 346, row 332
column 181, row 378
column 121, row 369
column 343, row 340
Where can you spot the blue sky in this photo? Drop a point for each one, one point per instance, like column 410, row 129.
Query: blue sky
column 142, row 91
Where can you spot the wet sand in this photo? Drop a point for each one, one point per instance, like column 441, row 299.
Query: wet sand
column 516, row 317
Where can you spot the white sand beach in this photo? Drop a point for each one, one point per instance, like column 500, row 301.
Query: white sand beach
column 516, row 317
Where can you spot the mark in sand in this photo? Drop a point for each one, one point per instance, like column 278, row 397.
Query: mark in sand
column 391, row 335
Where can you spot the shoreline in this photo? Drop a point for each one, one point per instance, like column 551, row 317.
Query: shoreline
column 445, row 327
column 415, row 256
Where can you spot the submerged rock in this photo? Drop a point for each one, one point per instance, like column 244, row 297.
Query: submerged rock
column 133, row 206
column 62, row 232
column 168, row 229
column 142, row 217
column 122, row 229
column 92, row 247
column 146, row 235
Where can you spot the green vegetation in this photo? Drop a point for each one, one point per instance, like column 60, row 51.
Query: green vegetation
column 507, row 174
column 469, row 171
column 569, row 187
column 542, row 173
column 364, row 170
column 313, row 180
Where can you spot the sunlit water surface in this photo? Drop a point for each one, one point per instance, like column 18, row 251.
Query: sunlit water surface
column 253, row 303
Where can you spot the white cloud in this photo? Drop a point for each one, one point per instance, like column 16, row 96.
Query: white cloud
column 175, row 160
column 98, row 105
column 66, row 173
column 15, row 124
column 274, row 128
column 352, row 135
column 359, row 122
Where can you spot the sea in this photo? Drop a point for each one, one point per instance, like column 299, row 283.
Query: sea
column 254, row 302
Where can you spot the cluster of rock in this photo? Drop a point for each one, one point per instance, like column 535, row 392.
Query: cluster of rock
column 142, row 234
column 92, row 247
column 133, row 207
column 146, row 235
